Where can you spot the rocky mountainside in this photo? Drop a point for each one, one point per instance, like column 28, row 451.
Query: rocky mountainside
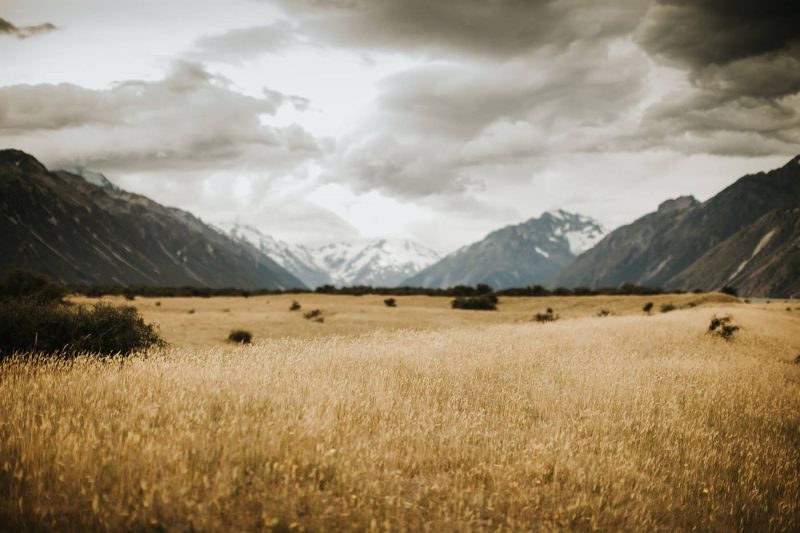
column 381, row 263
column 76, row 231
column 656, row 249
column 533, row 252
column 761, row 259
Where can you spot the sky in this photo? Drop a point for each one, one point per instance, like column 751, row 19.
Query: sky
column 345, row 120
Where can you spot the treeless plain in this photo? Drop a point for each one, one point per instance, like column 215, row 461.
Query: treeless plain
column 417, row 417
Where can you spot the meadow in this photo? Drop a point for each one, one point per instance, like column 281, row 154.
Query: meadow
column 415, row 418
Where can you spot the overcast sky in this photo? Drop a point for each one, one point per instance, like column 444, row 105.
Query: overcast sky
column 327, row 120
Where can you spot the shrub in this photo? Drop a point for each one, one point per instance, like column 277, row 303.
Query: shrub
column 722, row 327
column 158, row 304
column 295, row 306
column 648, row 307
column 390, row 302
column 487, row 302
column 548, row 316
column 666, row 308
column 129, row 295
column 603, row 312
column 67, row 330
column 727, row 289
column 31, row 286
column 316, row 313
column 240, row 336
column 191, row 311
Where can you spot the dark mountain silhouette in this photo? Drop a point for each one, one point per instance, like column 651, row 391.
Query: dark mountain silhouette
column 60, row 224
column 658, row 248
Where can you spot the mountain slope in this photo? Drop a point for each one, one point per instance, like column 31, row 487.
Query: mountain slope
column 59, row 224
column 516, row 256
column 381, row 263
column 297, row 259
column 658, row 247
column 761, row 259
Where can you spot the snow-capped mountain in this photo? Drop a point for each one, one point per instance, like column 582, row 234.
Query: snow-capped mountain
column 380, row 263
column 92, row 176
column 533, row 252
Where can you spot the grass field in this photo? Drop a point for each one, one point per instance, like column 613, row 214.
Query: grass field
column 415, row 418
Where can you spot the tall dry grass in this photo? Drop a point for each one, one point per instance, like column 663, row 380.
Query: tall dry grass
column 635, row 423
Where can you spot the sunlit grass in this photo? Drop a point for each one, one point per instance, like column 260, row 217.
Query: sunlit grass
column 622, row 422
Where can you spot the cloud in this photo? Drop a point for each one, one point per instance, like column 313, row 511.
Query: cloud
column 23, row 32
column 496, row 28
column 743, row 64
column 699, row 33
column 440, row 124
column 189, row 119
column 246, row 43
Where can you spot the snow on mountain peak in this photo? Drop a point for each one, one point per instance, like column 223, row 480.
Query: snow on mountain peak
column 580, row 231
column 380, row 263
column 91, row 176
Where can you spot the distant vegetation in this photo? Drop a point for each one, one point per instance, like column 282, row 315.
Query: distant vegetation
column 35, row 318
column 723, row 327
column 476, row 303
column 359, row 290
column 240, row 336
column 481, row 298
column 548, row 316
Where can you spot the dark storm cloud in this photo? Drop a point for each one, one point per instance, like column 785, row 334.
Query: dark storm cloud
column 743, row 61
column 189, row 119
column 23, row 32
column 699, row 33
column 483, row 27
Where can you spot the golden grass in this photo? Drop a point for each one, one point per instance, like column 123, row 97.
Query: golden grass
column 625, row 422
column 212, row 319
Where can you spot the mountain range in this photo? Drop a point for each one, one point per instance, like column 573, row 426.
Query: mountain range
column 379, row 263
column 530, row 253
column 77, row 231
column 78, row 227
column 687, row 244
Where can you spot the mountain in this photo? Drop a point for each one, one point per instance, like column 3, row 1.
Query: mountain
column 656, row 249
column 516, row 256
column 380, row 263
column 91, row 176
column 761, row 259
column 297, row 259
column 60, row 224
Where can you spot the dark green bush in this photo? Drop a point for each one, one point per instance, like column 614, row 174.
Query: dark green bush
column 548, row 316
column 240, row 336
column 603, row 312
column 21, row 284
column 648, row 307
column 487, row 302
column 295, row 306
column 666, row 308
column 316, row 313
column 723, row 327
column 29, row 326
column 727, row 289
column 390, row 302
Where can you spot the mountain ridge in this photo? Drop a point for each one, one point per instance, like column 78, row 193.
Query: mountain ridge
column 60, row 224
column 657, row 248
column 380, row 262
column 517, row 255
